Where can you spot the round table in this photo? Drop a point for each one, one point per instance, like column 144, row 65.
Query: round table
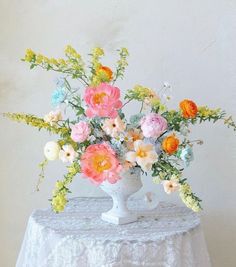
column 166, row 236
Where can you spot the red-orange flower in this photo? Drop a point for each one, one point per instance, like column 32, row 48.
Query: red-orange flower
column 189, row 109
column 170, row 144
column 104, row 70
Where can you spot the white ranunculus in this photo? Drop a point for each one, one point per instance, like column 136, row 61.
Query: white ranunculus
column 51, row 150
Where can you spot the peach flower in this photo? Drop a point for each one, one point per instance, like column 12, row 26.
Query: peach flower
column 99, row 163
column 170, row 144
column 113, row 127
column 102, row 101
column 144, row 154
column 170, row 186
column 189, row 109
column 53, row 117
column 80, row 131
column 132, row 136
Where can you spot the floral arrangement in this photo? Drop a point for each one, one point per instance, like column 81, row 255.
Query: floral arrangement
column 99, row 141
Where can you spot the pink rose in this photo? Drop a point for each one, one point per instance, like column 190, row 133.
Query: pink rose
column 153, row 125
column 80, row 131
column 102, row 101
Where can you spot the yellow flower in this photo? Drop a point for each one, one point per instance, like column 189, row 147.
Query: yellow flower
column 59, row 202
column 97, row 52
column 29, row 55
column 39, row 58
column 62, row 62
column 71, row 52
column 53, row 61
column 204, row 111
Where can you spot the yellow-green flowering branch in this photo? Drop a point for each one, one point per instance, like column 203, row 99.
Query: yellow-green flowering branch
column 145, row 95
column 189, row 198
column 42, row 166
column 73, row 65
column 59, row 199
column 37, row 122
column 121, row 64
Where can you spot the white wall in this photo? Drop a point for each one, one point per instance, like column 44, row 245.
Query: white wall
column 189, row 43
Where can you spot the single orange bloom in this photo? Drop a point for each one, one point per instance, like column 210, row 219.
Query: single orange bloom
column 189, row 109
column 170, row 144
column 108, row 72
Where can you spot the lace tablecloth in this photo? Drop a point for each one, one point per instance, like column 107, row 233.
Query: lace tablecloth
column 169, row 236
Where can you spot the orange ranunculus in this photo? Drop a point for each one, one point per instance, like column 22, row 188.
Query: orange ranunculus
column 189, row 109
column 170, row 144
column 107, row 71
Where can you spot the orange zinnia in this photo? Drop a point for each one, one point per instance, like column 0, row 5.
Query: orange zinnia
column 189, row 109
column 170, row 144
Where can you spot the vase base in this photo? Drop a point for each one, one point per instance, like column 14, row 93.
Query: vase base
column 115, row 219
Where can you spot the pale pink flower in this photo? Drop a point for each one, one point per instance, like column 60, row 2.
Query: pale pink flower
column 153, row 125
column 80, row 131
column 144, row 154
column 170, row 186
column 99, row 163
column 53, row 117
column 113, row 127
column 68, row 154
column 102, row 101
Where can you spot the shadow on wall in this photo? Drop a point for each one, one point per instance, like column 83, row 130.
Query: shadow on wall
column 218, row 232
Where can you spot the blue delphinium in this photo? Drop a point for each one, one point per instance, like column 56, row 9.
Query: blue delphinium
column 187, row 155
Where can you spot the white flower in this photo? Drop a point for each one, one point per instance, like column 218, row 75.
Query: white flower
column 170, row 186
column 52, row 117
column 113, row 127
column 184, row 129
column 51, row 150
column 68, row 154
column 144, row 154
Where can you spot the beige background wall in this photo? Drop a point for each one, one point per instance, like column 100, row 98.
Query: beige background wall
column 191, row 44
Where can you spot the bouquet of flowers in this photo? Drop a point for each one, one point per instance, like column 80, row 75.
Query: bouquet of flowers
column 99, row 140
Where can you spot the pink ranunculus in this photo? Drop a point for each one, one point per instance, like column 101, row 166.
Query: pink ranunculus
column 153, row 125
column 99, row 163
column 80, row 131
column 102, row 101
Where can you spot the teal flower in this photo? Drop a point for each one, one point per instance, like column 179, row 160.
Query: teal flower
column 186, row 155
column 58, row 96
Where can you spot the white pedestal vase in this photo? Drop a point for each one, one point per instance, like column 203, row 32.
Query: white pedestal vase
column 129, row 184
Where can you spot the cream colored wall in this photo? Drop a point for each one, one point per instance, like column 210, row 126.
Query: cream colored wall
column 189, row 43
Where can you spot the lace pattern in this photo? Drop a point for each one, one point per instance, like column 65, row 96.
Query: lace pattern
column 168, row 236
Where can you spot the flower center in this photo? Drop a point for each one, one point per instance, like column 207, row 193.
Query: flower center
column 101, row 163
column 135, row 137
column 141, row 153
column 98, row 98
